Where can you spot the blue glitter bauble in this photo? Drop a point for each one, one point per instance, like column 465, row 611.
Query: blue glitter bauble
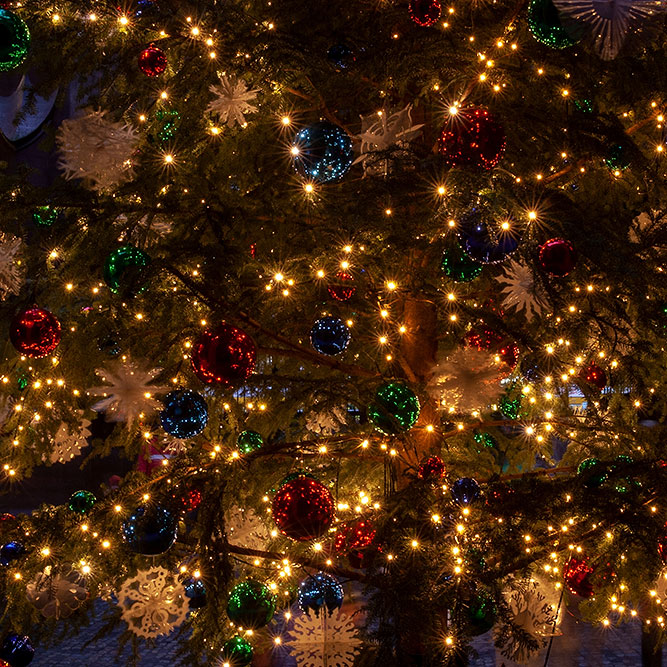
column 17, row 650
column 320, row 590
column 185, row 413
column 481, row 242
column 10, row 552
column 465, row 491
column 330, row 335
column 195, row 591
column 341, row 56
column 150, row 530
column 322, row 152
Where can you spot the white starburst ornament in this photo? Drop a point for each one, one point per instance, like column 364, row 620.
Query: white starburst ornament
column 69, row 440
column 323, row 418
column 6, row 408
column 245, row 528
column 129, row 394
column 145, row 232
column 96, row 149
column 153, row 603
column 324, row 641
column 232, row 100
column 520, row 292
column 11, row 271
column 57, row 595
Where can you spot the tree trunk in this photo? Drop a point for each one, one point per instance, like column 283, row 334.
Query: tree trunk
column 651, row 645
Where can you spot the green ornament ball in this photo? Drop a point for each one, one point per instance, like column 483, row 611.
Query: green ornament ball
column 14, row 40
column 125, row 270
column 395, row 408
column 481, row 614
column 545, row 25
column 45, row 216
column 237, row 652
column 251, row 604
column 249, row 441
column 584, row 105
column 593, row 472
column 458, row 266
column 617, row 157
column 82, row 502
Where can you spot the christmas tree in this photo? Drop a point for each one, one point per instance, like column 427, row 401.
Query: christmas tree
column 377, row 303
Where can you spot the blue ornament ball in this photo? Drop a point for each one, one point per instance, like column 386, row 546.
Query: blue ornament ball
column 10, row 552
column 150, row 530
column 465, row 491
column 195, row 591
column 322, row 152
column 185, row 413
column 320, row 590
column 330, row 336
column 17, row 650
column 483, row 242
column 341, row 56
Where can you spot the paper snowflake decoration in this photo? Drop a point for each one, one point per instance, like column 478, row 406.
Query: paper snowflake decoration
column 96, row 149
column 146, row 232
column 68, row 441
column 323, row 418
column 520, row 292
column 660, row 586
column 324, row 641
column 232, row 100
column 11, row 272
column 6, row 408
column 57, row 596
column 246, row 529
column 153, row 602
column 129, row 394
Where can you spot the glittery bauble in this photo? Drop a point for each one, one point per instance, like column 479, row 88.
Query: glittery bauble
column 618, row 157
column 14, row 40
column 125, row 270
column 545, row 25
column 341, row 56
column 190, row 500
column 472, row 137
column 251, row 604
column 662, row 544
column 481, row 613
column 593, row 472
column 185, row 413
column 45, row 216
column 82, row 501
column 152, row 61
column 322, row 152
column 342, row 288
column 482, row 240
column 17, row 650
column 195, row 591
column 458, row 266
column 249, row 441
column 35, row 332
column 150, row 530
column 320, row 590
column 432, row 468
column 237, row 652
column 482, row 338
column 10, row 552
column 330, row 336
column 577, row 576
column 303, row 509
column 395, row 408
column 224, row 355
column 557, row 257
column 356, row 539
column 594, row 375
column 424, row 12
column 465, row 491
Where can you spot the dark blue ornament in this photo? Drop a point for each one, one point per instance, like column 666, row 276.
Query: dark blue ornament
column 322, row 152
column 482, row 242
column 150, row 530
column 145, row 8
column 17, row 650
column 195, row 591
column 11, row 551
column 341, row 56
column 185, row 413
column 465, row 491
column 330, row 335
column 318, row 591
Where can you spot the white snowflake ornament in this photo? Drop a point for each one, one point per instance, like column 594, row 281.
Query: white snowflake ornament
column 325, row 419
column 153, row 603
column 232, row 100
column 57, row 596
column 146, row 232
column 6, row 408
column 520, row 292
column 97, row 150
column 68, row 441
column 11, row 271
column 246, row 529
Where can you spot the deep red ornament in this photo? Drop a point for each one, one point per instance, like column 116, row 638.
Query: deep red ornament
column 594, row 375
column 557, row 257
column 483, row 338
column 577, row 576
column 662, row 544
column 190, row 500
column 432, row 468
column 472, row 137
column 498, row 494
column 303, row 509
column 35, row 332
column 7, row 523
column 152, row 61
column 356, row 539
column 424, row 12
column 343, row 289
column 224, row 355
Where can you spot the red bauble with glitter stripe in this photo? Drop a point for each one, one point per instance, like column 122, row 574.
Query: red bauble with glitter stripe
column 577, row 575
column 303, row 509
column 424, row 13
column 152, row 61
column 35, row 332
column 342, row 289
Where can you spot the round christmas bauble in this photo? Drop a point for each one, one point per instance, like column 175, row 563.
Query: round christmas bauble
column 557, row 257
column 458, row 266
column 593, row 472
column 618, row 157
column 545, row 25
column 593, row 375
column 10, row 552
column 341, row 56
column 237, row 652
column 481, row 613
column 662, row 544
column 320, row 590
column 356, row 539
column 472, row 137
column 195, row 591
column 46, row 216
column 185, row 413
column 224, row 355
column 424, row 13
column 8, row 523
column 17, row 650
column 82, row 501
column 432, row 468
column 465, row 491
column 303, row 509
column 150, row 530
column 322, row 152
column 330, row 336
column 189, row 501
column 342, row 288
column 395, row 408
column 14, row 40
column 35, row 332
column 482, row 337
column 251, row 604
column 152, row 61
column 483, row 241
column 249, row 441
column 577, row 575
column 126, row 270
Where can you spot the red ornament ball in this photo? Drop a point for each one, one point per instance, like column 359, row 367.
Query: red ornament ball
column 343, row 288
column 152, row 61
column 35, row 332
column 190, row 500
column 424, row 12
column 594, row 375
column 8, row 523
column 662, row 544
column 356, row 539
column 432, row 468
column 577, row 575
column 472, row 137
column 483, row 338
column 224, row 355
column 303, row 509
column 557, row 257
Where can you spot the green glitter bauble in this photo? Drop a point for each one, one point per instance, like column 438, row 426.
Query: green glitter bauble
column 583, row 105
column 545, row 25
column 594, row 473
column 82, row 501
column 125, row 270
column 237, row 652
column 485, row 439
column 251, row 604
column 458, row 266
column 249, row 441
column 624, row 484
column 481, row 614
column 395, row 408
column 168, row 120
column 14, row 40
column 510, row 402
column 617, row 158
column 45, row 216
